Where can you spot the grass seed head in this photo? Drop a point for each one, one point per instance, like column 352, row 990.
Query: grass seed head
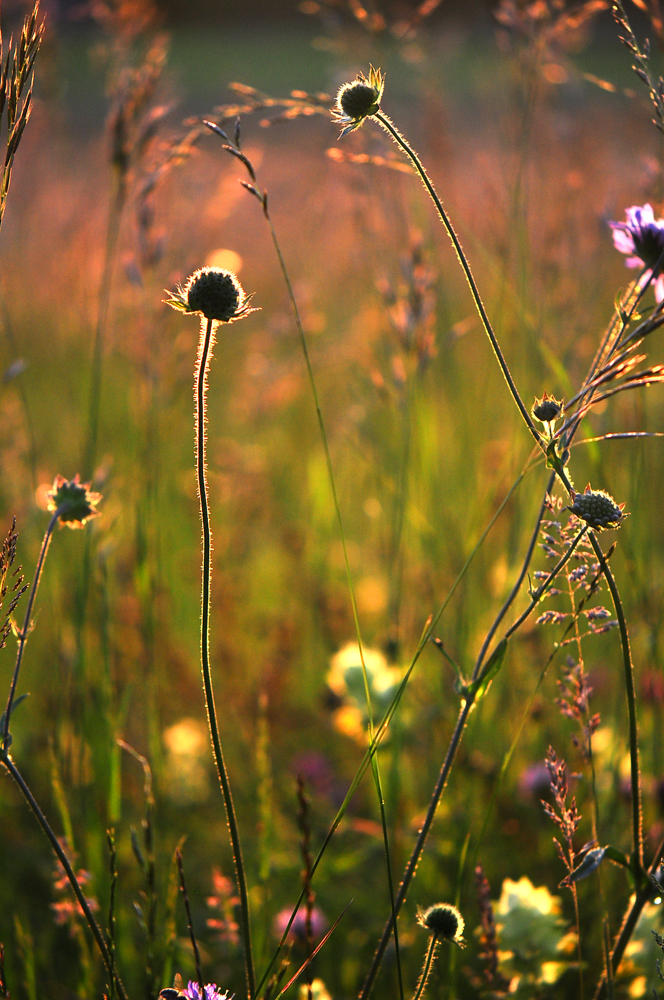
column 214, row 293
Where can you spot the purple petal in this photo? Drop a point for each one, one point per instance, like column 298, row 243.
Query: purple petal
column 622, row 238
column 639, row 216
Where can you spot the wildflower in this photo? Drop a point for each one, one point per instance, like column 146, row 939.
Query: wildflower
column 643, row 237
column 445, row 922
column 73, row 499
column 597, row 508
column 214, row 293
column 547, row 409
column 210, row 992
column 359, row 100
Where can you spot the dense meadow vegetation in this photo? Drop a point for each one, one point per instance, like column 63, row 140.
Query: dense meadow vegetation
column 414, row 642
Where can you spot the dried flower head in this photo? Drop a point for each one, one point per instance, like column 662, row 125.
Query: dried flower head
column 597, row 508
column 547, row 409
column 359, row 100
column 214, row 293
column 76, row 503
column 642, row 236
column 443, row 921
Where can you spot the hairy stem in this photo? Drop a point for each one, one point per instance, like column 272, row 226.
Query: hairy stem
column 200, row 385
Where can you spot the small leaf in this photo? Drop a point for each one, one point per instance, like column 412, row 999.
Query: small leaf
column 15, row 704
column 137, row 851
column 613, row 854
column 480, row 687
column 590, row 863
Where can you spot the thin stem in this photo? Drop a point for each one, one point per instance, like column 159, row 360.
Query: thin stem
column 349, row 578
column 190, row 922
column 637, row 818
column 23, row 634
column 431, row 951
column 6, row 759
column 118, row 199
column 113, row 870
column 537, row 595
column 413, row 862
column 463, row 260
column 517, row 585
column 200, row 385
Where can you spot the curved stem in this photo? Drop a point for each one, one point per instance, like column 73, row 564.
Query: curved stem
column 200, row 385
column 23, row 634
column 463, row 260
column 637, row 818
column 638, row 901
column 431, row 951
column 71, row 875
column 517, row 585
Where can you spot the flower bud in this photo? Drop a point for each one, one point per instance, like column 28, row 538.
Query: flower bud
column 597, row 508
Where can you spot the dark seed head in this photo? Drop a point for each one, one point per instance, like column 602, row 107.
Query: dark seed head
column 443, row 921
column 547, row 409
column 358, row 99
column 215, row 293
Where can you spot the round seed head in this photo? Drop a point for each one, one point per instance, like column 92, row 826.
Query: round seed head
column 547, row 408
column 214, row 293
column 359, row 100
column 76, row 503
column 443, row 921
column 598, row 509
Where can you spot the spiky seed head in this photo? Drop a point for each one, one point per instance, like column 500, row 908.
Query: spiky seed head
column 214, row 293
column 547, row 408
column 443, row 921
column 598, row 509
column 359, row 100
column 76, row 503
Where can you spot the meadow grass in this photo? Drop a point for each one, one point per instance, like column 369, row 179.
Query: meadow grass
column 422, row 452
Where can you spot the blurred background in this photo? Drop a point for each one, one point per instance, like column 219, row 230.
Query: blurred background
column 536, row 133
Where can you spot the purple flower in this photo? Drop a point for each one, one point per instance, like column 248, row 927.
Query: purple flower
column 642, row 236
column 210, row 992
